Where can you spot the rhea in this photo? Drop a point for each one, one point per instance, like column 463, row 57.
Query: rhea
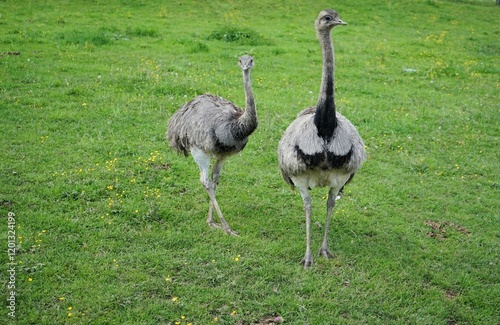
column 321, row 148
column 212, row 128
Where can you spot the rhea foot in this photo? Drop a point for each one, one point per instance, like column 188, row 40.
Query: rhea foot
column 228, row 230
column 325, row 252
column 307, row 261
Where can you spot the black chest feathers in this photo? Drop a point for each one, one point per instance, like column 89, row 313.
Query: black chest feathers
column 324, row 159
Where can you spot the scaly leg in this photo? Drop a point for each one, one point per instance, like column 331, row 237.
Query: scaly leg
column 203, row 162
column 215, row 181
column 332, row 195
column 306, row 197
column 223, row 222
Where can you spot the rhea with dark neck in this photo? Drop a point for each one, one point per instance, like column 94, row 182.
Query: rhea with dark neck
column 321, row 148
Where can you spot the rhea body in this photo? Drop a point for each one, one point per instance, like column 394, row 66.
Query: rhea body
column 211, row 128
column 321, row 148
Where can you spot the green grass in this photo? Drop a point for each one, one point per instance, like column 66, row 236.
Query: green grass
column 110, row 223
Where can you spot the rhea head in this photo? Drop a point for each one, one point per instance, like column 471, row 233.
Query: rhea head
column 246, row 62
column 327, row 19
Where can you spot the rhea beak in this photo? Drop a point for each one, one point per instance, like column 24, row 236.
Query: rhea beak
column 341, row 22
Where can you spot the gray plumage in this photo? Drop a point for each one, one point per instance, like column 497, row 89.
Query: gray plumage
column 321, row 148
column 210, row 127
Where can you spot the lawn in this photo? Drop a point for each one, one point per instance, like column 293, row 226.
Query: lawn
column 104, row 224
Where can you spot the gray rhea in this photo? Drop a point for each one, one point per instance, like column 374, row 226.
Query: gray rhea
column 321, row 148
column 210, row 128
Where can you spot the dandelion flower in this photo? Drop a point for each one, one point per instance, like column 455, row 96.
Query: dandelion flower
column 30, row 279
column 233, row 313
column 70, row 308
column 175, row 299
column 70, row 314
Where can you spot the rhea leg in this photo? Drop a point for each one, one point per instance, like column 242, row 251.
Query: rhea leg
column 332, row 195
column 306, row 197
column 224, row 224
column 203, row 162
column 215, row 181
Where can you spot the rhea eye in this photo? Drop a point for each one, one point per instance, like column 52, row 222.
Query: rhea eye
column 328, row 18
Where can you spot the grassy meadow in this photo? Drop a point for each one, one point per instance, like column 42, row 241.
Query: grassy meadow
column 110, row 223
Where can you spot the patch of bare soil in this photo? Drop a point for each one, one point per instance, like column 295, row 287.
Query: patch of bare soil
column 439, row 229
column 268, row 320
column 450, row 294
column 162, row 166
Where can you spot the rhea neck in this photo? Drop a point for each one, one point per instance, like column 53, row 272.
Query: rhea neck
column 248, row 121
column 325, row 119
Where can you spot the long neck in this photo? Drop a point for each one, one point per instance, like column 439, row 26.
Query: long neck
column 248, row 121
column 325, row 119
